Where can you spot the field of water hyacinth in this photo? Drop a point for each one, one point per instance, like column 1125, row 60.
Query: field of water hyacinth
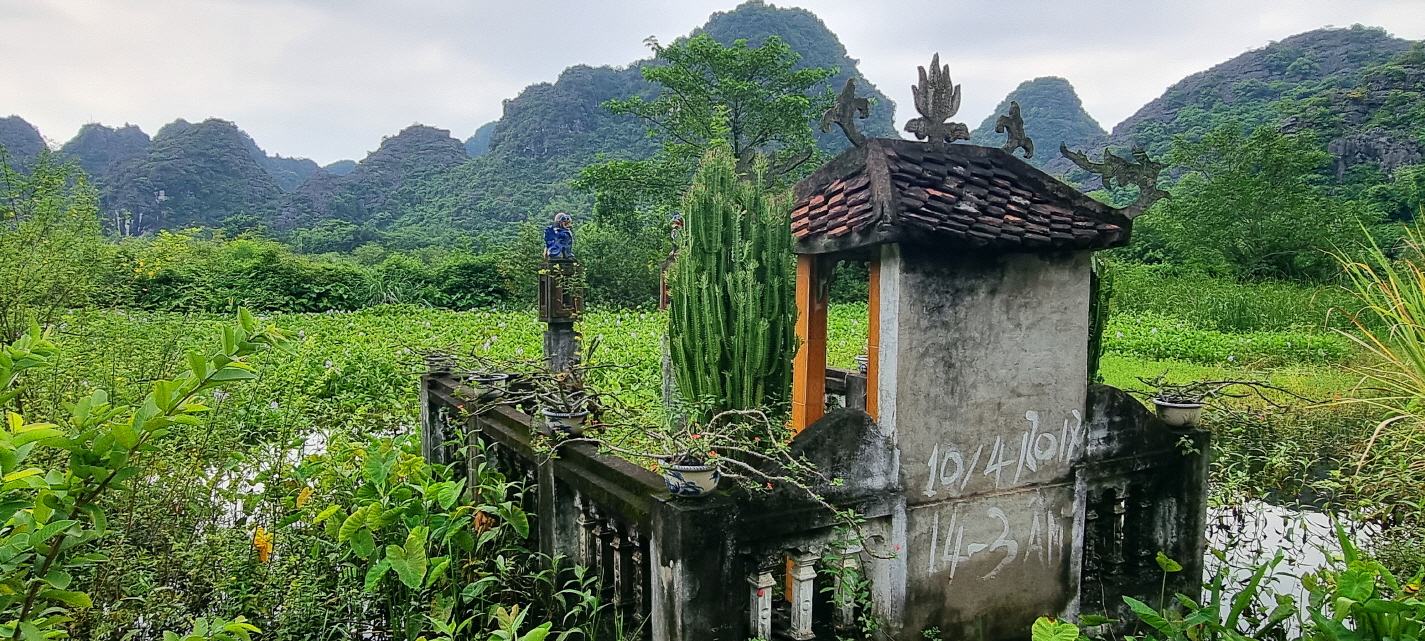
column 357, row 370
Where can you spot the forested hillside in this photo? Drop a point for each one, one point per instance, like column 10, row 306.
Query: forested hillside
column 1357, row 91
column 336, row 213
column 21, row 140
column 479, row 143
column 99, row 149
column 521, row 165
column 818, row 46
column 1317, row 80
column 193, row 175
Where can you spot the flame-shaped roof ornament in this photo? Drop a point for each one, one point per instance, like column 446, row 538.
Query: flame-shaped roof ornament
column 937, row 98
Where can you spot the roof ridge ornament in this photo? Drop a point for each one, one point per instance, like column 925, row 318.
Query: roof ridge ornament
column 937, row 98
column 1143, row 173
column 845, row 112
column 1012, row 125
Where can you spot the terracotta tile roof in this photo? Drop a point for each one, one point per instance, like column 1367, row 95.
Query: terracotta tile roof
column 965, row 195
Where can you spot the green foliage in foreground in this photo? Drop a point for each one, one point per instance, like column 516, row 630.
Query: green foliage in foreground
column 1352, row 598
column 52, row 254
column 53, row 518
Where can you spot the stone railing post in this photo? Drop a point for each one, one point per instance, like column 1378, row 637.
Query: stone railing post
column 845, row 601
column 694, row 567
column 433, row 435
column 803, row 580
column 760, row 623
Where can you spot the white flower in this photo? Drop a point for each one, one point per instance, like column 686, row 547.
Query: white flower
column 219, row 395
column 272, row 405
column 329, row 363
column 1231, row 358
column 1119, row 335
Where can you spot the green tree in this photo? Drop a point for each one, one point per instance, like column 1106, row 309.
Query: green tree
column 1251, row 206
column 731, row 324
column 753, row 98
column 52, row 249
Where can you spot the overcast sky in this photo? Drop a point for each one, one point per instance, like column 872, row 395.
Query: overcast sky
column 325, row 79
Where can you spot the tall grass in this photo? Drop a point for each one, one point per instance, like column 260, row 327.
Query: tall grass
column 1228, row 305
column 1389, row 325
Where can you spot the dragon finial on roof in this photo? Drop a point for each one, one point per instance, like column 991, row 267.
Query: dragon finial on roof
column 1012, row 125
column 1114, row 169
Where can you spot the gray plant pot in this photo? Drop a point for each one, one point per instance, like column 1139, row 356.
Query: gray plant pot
column 489, row 386
column 1179, row 415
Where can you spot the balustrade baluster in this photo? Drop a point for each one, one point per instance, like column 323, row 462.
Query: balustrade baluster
column 596, row 542
column 608, row 557
column 619, row 551
column 845, row 615
column 803, row 573
column 762, row 584
column 586, row 529
column 638, row 575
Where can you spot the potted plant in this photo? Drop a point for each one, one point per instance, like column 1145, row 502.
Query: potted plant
column 1180, row 405
column 688, row 475
column 488, row 385
column 741, row 445
column 1179, row 411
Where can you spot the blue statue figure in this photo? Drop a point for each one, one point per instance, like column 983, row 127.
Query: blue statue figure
column 559, row 238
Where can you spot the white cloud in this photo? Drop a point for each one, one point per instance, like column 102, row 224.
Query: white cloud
column 327, row 79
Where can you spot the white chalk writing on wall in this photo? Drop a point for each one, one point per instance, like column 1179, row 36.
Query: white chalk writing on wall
column 952, row 470
column 1042, row 544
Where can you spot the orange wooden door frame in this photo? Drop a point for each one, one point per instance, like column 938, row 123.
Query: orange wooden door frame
column 873, row 335
column 809, row 366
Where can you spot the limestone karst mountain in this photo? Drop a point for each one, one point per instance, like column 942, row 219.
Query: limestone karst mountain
column 1360, row 91
column 340, row 167
column 98, row 148
column 1336, row 82
column 479, row 143
column 191, row 175
column 21, row 140
column 382, row 177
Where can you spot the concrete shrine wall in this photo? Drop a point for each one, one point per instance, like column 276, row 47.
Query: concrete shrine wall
column 983, row 376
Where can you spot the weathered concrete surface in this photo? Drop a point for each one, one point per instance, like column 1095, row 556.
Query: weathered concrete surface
column 1143, row 486
column 848, row 445
column 698, row 582
column 983, row 382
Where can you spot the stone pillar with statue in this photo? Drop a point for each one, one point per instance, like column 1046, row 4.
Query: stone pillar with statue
column 561, row 294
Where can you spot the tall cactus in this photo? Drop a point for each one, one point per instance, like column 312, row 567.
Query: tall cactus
column 732, row 319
